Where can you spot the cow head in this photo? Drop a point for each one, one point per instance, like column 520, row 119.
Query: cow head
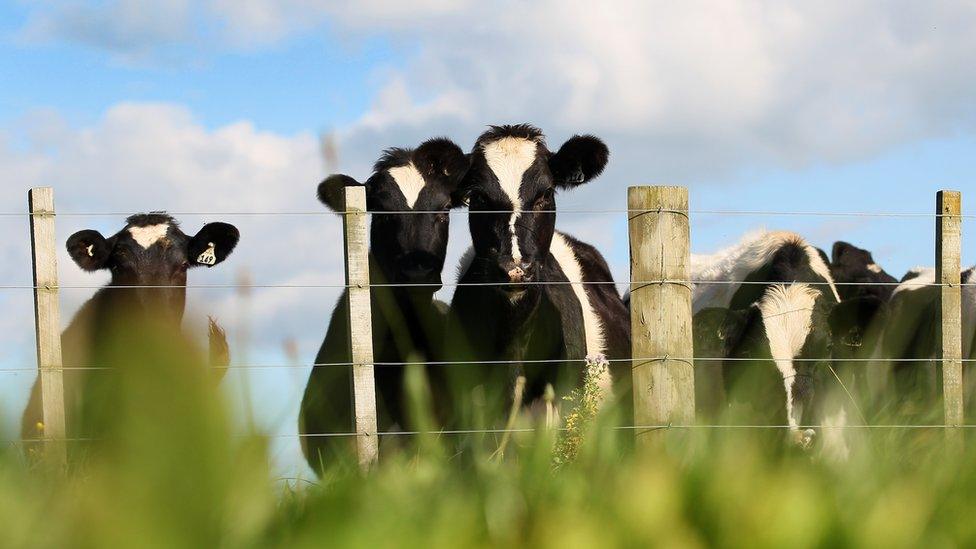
column 788, row 326
column 510, row 189
column 153, row 255
column 409, row 248
column 857, row 321
column 852, row 265
column 856, row 325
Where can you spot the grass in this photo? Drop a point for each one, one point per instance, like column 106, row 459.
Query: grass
column 169, row 472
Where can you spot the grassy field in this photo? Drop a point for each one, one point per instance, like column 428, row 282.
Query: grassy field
column 169, row 472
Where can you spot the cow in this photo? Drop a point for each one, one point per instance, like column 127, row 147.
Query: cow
column 858, row 322
column 911, row 339
column 532, row 302
column 405, row 248
column 148, row 261
column 778, row 296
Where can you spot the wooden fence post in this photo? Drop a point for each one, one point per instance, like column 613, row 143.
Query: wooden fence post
column 47, row 321
column 948, row 248
column 660, row 307
column 356, row 245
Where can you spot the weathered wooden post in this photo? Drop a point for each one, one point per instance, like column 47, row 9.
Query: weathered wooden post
column 47, row 321
column 660, row 307
column 356, row 244
column 948, row 248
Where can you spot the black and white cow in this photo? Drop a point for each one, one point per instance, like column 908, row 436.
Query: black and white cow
column 864, row 289
column 528, row 301
column 405, row 248
column 152, row 255
column 776, row 327
column 911, row 339
column 858, row 322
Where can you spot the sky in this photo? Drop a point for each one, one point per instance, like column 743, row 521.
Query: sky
column 216, row 106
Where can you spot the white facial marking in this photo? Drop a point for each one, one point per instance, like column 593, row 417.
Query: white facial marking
column 875, row 268
column 786, row 312
column 409, row 180
column 91, row 250
column 149, row 235
column 508, row 158
column 570, row 265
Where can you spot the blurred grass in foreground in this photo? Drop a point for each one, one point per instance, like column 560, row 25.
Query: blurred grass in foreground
column 170, row 473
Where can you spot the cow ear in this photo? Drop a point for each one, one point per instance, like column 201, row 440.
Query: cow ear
column 840, row 249
column 331, row 191
column 213, row 244
column 579, row 160
column 89, row 249
column 441, row 158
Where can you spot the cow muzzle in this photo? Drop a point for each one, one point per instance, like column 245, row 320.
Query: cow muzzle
column 518, row 272
column 803, row 438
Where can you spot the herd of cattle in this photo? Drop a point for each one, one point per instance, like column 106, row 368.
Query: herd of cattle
column 783, row 334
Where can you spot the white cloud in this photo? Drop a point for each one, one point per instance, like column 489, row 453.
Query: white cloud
column 142, row 157
column 131, row 28
column 703, row 86
column 791, row 83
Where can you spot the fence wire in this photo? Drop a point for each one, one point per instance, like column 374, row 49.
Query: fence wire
column 641, row 283
column 458, row 363
column 465, row 212
column 500, row 431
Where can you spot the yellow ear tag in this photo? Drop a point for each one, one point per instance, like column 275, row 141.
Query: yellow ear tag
column 208, row 257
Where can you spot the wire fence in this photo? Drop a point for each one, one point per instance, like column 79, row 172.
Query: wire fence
column 458, row 212
column 524, row 430
column 635, row 284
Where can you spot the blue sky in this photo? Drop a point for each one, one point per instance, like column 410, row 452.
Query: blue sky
column 130, row 105
column 285, row 87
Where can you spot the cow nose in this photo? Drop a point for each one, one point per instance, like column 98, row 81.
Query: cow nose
column 417, row 265
column 417, row 272
column 855, row 338
column 516, row 274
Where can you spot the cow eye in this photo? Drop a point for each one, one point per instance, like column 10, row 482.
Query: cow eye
column 543, row 201
column 444, row 214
